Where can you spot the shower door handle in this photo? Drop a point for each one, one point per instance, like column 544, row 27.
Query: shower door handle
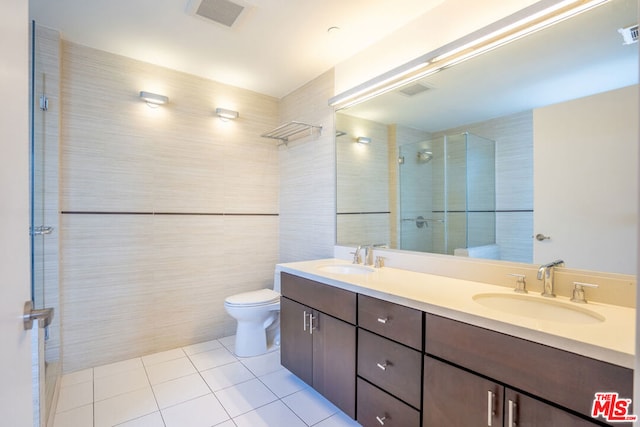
column 43, row 316
column 41, row 230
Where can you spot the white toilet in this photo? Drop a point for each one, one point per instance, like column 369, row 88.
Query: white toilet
column 258, row 316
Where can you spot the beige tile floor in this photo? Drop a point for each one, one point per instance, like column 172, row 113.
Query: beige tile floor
column 202, row 385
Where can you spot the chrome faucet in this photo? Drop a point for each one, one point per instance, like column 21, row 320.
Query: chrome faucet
column 368, row 255
column 545, row 272
column 357, row 259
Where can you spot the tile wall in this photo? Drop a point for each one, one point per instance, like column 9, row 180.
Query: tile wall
column 308, row 175
column 165, row 211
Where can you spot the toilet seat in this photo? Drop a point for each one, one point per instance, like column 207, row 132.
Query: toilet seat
column 253, row 298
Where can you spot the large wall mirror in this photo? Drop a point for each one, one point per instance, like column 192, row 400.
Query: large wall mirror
column 538, row 137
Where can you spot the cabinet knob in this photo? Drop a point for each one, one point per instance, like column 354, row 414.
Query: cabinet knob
column 381, row 420
column 383, row 366
column 383, row 320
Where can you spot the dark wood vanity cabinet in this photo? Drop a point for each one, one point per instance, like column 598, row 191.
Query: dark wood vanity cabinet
column 388, row 365
column 484, row 359
column 456, row 397
column 317, row 324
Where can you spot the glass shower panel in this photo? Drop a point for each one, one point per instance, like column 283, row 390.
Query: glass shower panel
column 447, row 194
column 481, row 194
column 44, row 201
column 421, row 177
column 456, row 191
column 37, row 188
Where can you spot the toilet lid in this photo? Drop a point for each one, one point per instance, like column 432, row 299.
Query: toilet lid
column 261, row 297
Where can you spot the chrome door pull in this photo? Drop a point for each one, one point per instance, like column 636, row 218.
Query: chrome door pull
column 44, row 316
column 383, row 366
column 383, row 320
column 304, row 321
column 311, row 319
column 512, row 422
column 490, row 408
column 381, row 420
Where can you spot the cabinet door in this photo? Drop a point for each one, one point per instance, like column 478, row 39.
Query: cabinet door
column 525, row 411
column 296, row 349
column 457, row 398
column 334, row 362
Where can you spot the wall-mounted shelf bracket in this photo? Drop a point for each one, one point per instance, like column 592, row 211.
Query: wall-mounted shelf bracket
column 291, row 131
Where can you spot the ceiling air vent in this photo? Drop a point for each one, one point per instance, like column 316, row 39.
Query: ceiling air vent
column 629, row 34
column 414, row 89
column 223, row 12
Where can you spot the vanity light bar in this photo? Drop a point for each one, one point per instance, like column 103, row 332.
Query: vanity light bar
column 528, row 25
column 527, row 21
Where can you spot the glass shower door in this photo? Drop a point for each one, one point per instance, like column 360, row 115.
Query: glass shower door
column 44, row 219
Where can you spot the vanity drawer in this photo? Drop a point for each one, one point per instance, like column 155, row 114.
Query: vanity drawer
column 391, row 366
column 325, row 298
column 394, row 321
column 565, row 378
column 376, row 407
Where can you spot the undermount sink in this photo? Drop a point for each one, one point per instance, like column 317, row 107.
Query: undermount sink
column 346, row 269
column 537, row 307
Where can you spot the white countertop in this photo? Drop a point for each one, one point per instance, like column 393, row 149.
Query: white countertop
column 612, row 340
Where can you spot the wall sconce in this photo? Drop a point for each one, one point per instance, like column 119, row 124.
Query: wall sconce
column 363, row 140
column 153, row 99
column 225, row 114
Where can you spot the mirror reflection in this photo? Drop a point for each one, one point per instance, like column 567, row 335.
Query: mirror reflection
column 537, row 137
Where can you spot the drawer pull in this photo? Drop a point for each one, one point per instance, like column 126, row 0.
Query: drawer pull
column 304, row 321
column 383, row 320
column 311, row 327
column 512, row 422
column 490, row 408
column 383, row 366
column 382, row 420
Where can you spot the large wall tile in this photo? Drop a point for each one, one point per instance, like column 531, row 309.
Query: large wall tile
column 308, row 176
column 167, row 211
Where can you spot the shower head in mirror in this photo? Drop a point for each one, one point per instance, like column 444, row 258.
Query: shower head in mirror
column 424, row 156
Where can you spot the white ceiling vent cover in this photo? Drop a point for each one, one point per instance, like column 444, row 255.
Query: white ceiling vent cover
column 629, row 34
column 414, row 89
column 223, row 12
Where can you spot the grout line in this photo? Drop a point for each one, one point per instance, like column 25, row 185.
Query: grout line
column 93, row 397
column 207, row 384
column 144, row 366
column 236, row 359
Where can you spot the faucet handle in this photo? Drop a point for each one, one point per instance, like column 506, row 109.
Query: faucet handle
column 379, row 261
column 368, row 255
column 357, row 258
column 521, row 285
column 578, row 291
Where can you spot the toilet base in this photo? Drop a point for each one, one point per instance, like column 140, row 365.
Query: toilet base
column 253, row 339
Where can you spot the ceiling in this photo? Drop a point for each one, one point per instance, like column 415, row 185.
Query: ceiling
column 582, row 56
column 274, row 47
